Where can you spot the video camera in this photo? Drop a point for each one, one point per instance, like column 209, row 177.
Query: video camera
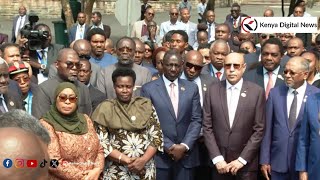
column 35, row 37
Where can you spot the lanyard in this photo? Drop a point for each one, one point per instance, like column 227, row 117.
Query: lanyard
column 29, row 102
column 43, row 61
column 211, row 70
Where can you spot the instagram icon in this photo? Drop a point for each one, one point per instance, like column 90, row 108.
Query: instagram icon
column 19, row 163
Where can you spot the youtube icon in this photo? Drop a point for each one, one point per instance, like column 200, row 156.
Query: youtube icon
column 32, row 163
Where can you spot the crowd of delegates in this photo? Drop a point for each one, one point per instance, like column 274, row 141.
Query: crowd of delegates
column 178, row 100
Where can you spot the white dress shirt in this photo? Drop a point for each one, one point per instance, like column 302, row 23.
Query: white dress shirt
column 4, row 103
column 201, row 9
column 274, row 77
column 215, row 71
column 300, row 97
column 233, row 104
column 40, row 75
column 80, row 31
column 168, row 26
column 20, row 23
column 212, row 32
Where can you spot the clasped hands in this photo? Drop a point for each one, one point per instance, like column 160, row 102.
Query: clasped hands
column 232, row 167
column 135, row 165
column 176, row 152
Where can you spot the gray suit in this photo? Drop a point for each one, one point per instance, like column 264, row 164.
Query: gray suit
column 192, row 32
column 105, row 84
column 44, row 97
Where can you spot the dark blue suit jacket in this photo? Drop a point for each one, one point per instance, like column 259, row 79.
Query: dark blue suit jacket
column 73, row 31
column 308, row 157
column 279, row 144
column 183, row 129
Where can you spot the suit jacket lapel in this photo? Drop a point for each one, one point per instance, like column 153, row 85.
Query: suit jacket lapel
column 242, row 101
column 280, row 78
column 300, row 115
column 223, row 100
column 9, row 103
column 182, row 93
column 162, row 90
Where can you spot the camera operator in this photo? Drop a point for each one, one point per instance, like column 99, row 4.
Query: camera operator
column 41, row 59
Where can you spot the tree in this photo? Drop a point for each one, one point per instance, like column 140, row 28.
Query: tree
column 291, row 7
column 66, row 9
column 88, row 9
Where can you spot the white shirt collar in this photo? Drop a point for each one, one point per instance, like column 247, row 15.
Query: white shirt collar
column 45, row 49
column 301, row 90
column 216, row 70
column 168, row 82
column 238, row 85
column 276, row 71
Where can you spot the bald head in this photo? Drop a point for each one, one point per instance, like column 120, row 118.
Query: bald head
column 16, row 143
column 268, row 13
column 295, row 47
column 193, row 65
column 64, row 52
column 82, row 47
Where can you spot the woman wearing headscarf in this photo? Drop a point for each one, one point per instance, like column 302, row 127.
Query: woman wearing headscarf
column 74, row 142
column 129, row 131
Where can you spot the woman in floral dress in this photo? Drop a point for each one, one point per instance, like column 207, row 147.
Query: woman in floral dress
column 129, row 131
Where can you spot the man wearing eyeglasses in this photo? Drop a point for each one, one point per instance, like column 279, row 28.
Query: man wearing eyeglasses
column 19, row 73
column 9, row 98
column 218, row 51
column 268, row 73
column 233, row 123
column 68, row 66
column 285, row 109
column 140, row 28
column 172, row 24
column 192, row 72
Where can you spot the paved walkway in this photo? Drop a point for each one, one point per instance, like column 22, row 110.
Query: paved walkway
column 117, row 30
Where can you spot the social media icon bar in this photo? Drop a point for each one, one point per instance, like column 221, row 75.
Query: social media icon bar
column 19, row 163
column 54, row 163
column 7, row 163
column 43, row 163
column 32, row 163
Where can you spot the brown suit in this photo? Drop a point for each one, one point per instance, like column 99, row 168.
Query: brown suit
column 244, row 137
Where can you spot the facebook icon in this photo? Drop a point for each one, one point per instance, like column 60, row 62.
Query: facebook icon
column 7, row 163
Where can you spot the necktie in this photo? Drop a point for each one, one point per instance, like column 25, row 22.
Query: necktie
column 209, row 32
column 235, row 23
column 2, row 109
column 231, row 105
column 174, row 99
column 269, row 85
column 43, row 56
column 293, row 110
column 81, row 32
column 218, row 75
column 144, row 30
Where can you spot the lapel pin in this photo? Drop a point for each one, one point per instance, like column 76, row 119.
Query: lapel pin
column 280, row 77
column 182, row 88
column 133, row 118
column 11, row 103
column 204, row 87
column 305, row 98
column 243, row 94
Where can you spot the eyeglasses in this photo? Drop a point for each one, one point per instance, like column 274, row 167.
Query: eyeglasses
column 5, row 75
column 24, row 78
column 291, row 73
column 70, row 65
column 151, row 14
column 84, row 56
column 196, row 67
column 235, row 66
column 148, row 50
column 64, row 98
column 234, row 10
column 264, row 36
column 174, row 14
column 122, row 49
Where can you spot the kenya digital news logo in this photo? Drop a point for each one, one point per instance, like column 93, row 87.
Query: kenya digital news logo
column 249, row 24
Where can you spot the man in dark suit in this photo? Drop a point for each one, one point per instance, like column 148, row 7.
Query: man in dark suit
column 211, row 24
column 233, row 123
column 268, row 74
column 18, row 23
column 218, row 51
column 177, row 103
column 295, row 47
column 9, row 99
column 40, row 60
column 78, row 30
column 284, row 109
column 84, row 75
column 307, row 159
column 191, row 72
column 96, row 19
column 68, row 66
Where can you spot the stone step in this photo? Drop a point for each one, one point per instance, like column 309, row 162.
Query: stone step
column 260, row 2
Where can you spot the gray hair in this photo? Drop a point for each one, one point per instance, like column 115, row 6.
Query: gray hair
column 220, row 41
column 21, row 119
column 305, row 65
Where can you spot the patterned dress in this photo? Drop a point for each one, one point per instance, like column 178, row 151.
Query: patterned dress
column 132, row 144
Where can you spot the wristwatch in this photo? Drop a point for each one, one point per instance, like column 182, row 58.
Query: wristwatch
column 43, row 66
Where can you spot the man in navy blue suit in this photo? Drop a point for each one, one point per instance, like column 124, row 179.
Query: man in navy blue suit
column 284, row 113
column 177, row 103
